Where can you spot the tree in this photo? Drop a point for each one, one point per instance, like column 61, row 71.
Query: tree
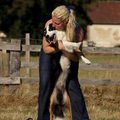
column 18, row 17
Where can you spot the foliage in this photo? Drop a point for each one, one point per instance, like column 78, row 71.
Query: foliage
column 18, row 17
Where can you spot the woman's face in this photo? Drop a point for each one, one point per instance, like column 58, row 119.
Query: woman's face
column 58, row 24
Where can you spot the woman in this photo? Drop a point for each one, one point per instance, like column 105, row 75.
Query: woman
column 63, row 18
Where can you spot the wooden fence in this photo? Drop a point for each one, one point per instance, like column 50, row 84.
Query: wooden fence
column 13, row 63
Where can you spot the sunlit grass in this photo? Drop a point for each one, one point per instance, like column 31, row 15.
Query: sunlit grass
column 90, row 74
column 24, row 104
column 101, row 74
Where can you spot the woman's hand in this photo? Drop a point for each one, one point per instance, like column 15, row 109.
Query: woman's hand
column 58, row 43
column 60, row 46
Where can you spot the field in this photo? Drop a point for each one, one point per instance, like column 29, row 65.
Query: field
column 24, row 104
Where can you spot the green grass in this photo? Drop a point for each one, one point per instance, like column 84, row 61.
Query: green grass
column 103, row 58
column 90, row 74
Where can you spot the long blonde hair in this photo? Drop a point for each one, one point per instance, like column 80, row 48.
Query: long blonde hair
column 64, row 15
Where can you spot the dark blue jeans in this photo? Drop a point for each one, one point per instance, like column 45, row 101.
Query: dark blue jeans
column 79, row 111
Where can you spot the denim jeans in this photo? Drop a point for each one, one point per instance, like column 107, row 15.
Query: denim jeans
column 79, row 111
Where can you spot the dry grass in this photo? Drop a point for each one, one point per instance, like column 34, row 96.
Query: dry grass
column 24, row 104
column 21, row 106
column 101, row 109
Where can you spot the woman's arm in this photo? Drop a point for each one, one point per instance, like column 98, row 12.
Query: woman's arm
column 54, row 49
column 79, row 38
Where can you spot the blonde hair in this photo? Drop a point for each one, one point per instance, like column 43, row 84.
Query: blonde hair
column 64, row 15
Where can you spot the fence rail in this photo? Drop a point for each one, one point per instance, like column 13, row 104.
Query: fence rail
column 103, row 50
column 13, row 63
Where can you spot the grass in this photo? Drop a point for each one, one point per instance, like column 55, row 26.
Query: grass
column 101, row 74
column 91, row 74
column 24, row 104
column 21, row 106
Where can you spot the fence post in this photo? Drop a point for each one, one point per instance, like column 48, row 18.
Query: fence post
column 27, row 38
column 15, row 66
column 1, row 66
column 7, row 62
column 1, row 61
